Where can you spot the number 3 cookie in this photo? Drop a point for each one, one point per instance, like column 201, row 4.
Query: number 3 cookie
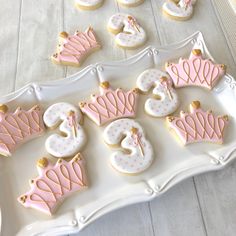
column 73, row 136
column 179, row 10
column 165, row 99
column 129, row 34
column 130, row 136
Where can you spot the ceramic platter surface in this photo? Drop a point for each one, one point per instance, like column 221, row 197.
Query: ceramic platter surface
column 109, row 190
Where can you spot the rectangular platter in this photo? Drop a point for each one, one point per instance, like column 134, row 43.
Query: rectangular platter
column 108, row 190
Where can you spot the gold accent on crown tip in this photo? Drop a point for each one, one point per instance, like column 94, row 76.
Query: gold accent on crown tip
column 64, row 35
column 170, row 118
column 226, row 117
column 71, row 113
column 223, row 67
column 23, row 198
column 77, row 157
column 167, row 64
column 136, row 90
column 197, row 52
column 3, row 108
column 42, row 163
column 195, row 104
column 82, row 104
column 105, row 85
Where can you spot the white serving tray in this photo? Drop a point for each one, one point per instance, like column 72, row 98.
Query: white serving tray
column 108, row 189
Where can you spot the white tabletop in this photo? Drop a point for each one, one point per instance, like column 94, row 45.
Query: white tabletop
column 203, row 205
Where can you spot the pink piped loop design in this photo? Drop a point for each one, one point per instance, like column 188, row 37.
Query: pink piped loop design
column 199, row 126
column 54, row 184
column 75, row 47
column 111, row 105
column 18, row 127
column 195, row 71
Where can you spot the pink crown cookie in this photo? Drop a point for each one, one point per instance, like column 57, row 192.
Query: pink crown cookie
column 18, row 127
column 195, row 71
column 73, row 49
column 54, row 184
column 198, row 125
column 110, row 105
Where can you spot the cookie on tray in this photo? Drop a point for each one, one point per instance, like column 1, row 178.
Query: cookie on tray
column 137, row 152
column 54, row 183
column 19, row 127
column 198, row 125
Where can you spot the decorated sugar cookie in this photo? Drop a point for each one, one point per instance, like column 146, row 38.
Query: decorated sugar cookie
column 165, row 99
column 179, row 10
column 195, row 71
column 73, row 49
column 198, row 125
column 88, row 4
column 130, row 3
column 137, row 153
column 129, row 33
column 110, row 104
column 54, row 183
column 18, row 127
column 73, row 136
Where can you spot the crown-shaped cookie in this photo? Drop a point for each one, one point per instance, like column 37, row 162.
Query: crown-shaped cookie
column 198, row 125
column 73, row 49
column 54, row 183
column 18, row 127
column 110, row 105
column 195, row 71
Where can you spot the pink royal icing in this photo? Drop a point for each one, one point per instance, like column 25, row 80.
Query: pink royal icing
column 54, row 184
column 73, row 48
column 110, row 105
column 195, row 71
column 18, row 127
column 198, row 126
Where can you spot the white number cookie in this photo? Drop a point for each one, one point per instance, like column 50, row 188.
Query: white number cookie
column 179, row 10
column 73, row 136
column 167, row 101
column 88, row 4
column 130, row 3
column 130, row 136
column 129, row 34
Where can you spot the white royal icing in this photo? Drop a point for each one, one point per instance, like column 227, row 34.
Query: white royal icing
column 140, row 152
column 129, row 33
column 130, row 3
column 64, row 146
column 168, row 100
column 182, row 9
column 89, row 3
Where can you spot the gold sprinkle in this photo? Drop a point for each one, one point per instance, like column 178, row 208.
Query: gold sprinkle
column 105, row 85
column 197, row 52
column 59, row 161
column 134, row 130
column 42, row 163
column 3, row 108
column 163, row 79
column 195, row 104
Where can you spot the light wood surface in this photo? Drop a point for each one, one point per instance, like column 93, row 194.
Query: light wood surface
column 203, row 205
